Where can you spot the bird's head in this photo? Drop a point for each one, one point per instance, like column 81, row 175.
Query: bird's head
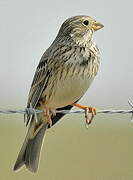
column 79, row 28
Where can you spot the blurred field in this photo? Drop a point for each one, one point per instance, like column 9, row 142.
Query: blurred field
column 104, row 151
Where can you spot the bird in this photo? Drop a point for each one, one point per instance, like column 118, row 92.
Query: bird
column 63, row 75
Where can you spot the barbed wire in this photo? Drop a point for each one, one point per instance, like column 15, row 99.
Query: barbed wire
column 32, row 111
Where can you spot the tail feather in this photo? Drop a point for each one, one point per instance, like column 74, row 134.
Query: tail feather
column 33, row 149
column 30, row 151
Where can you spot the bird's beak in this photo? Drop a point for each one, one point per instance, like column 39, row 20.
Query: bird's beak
column 96, row 26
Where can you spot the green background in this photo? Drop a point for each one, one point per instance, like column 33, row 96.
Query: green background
column 104, row 151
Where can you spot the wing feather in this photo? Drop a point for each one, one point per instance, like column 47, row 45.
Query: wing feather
column 39, row 84
column 43, row 73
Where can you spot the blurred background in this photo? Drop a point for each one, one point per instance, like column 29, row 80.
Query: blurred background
column 102, row 152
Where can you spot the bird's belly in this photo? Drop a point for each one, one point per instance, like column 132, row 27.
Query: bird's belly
column 68, row 91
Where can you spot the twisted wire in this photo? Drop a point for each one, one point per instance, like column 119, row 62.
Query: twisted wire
column 32, row 111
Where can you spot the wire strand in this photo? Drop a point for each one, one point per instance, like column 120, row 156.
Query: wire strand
column 31, row 111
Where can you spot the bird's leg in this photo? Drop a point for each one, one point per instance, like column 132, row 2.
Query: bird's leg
column 88, row 110
column 47, row 114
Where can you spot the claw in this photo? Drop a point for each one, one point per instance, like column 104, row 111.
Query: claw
column 88, row 111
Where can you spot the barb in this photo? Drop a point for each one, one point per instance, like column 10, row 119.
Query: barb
column 131, row 104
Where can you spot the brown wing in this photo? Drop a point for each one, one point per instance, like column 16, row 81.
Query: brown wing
column 39, row 84
column 42, row 74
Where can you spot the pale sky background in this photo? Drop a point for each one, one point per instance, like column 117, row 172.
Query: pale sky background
column 28, row 27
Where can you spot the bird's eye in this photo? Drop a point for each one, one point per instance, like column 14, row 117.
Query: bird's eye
column 86, row 22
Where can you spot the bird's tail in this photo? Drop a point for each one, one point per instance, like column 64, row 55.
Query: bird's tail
column 30, row 151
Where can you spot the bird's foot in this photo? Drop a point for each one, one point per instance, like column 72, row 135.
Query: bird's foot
column 48, row 113
column 88, row 110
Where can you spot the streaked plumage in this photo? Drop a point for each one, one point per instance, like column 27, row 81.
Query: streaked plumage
column 63, row 75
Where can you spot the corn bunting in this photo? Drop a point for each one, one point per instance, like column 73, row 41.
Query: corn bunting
column 62, row 77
